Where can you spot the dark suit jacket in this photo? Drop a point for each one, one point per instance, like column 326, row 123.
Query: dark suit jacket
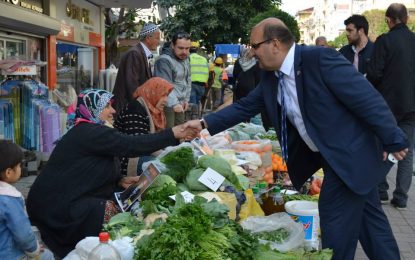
column 347, row 119
column 364, row 55
column 392, row 69
column 133, row 71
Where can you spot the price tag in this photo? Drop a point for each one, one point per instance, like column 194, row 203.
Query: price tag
column 212, row 179
column 188, row 197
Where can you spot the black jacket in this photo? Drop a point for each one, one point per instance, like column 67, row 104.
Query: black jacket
column 364, row 55
column 67, row 200
column 392, row 69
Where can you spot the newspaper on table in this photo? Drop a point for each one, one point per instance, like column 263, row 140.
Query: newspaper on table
column 132, row 195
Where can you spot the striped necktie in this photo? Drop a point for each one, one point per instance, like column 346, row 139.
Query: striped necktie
column 283, row 133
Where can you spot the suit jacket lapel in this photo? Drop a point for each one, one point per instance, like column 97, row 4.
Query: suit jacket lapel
column 144, row 61
column 298, row 78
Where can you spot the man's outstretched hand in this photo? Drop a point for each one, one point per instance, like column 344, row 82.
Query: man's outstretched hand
column 187, row 131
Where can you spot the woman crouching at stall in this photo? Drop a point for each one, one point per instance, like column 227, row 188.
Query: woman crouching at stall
column 74, row 194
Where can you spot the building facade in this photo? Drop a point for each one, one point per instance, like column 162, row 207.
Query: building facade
column 327, row 17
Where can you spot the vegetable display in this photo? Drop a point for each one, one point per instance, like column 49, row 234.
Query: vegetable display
column 179, row 162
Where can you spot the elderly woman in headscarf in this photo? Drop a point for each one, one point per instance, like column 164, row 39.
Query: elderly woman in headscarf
column 74, row 194
column 143, row 115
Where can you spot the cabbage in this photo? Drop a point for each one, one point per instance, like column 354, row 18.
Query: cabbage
column 192, row 180
column 221, row 166
column 161, row 180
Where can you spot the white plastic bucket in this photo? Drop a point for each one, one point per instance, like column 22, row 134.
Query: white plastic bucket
column 306, row 213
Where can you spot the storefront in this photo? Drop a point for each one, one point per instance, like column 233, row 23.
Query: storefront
column 25, row 29
column 80, row 51
column 45, row 44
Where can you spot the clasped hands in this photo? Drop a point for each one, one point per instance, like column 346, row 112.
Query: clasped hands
column 188, row 130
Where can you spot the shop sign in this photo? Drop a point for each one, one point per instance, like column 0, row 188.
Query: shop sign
column 95, row 39
column 24, row 70
column 66, row 33
column 32, row 5
column 74, row 11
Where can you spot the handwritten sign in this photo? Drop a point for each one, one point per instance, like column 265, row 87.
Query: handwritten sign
column 211, row 179
column 187, row 196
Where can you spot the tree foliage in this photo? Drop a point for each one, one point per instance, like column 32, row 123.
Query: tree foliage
column 283, row 16
column 377, row 24
column 212, row 21
column 118, row 22
column 339, row 42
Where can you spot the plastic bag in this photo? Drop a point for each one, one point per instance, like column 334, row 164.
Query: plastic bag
column 219, row 140
column 238, row 135
column 159, row 165
column 274, row 222
column 124, row 247
column 173, row 148
column 252, row 129
column 82, row 249
column 250, row 207
column 253, row 158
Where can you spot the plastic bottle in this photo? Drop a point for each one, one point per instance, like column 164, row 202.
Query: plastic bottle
column 257, row 195
column 263, row 190
column 104, row 251
column 277, row 196
column 274, row 202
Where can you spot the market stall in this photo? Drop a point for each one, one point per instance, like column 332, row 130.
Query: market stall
column 218, row 197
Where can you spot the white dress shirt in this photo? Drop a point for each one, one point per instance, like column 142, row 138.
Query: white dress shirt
column 291, row 99
column 149, row 56
column 147, row 51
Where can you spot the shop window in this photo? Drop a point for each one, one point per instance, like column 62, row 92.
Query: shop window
column 15, row 49
column 23, row 48
column 77, row 66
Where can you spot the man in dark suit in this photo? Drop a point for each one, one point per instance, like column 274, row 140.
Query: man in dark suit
column 134, row 67
column 392, row 72
column 337, row 121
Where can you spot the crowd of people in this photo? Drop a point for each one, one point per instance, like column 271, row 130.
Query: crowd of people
column 365, row 92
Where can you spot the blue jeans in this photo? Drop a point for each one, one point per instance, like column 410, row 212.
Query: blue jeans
column 198, row 91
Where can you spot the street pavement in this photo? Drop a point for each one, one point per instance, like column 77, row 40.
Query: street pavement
column 402, row 221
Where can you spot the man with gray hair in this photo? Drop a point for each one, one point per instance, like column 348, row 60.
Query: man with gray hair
column 321, row 41
column 134, row 68
column 392, row 72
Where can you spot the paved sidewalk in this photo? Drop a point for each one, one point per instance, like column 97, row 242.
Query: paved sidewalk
column 402, row 221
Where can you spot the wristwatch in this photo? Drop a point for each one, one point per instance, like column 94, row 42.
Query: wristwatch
column 202, row 123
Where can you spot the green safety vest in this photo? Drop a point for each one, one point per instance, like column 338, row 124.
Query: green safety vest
column 199, row 68
column 217, row 82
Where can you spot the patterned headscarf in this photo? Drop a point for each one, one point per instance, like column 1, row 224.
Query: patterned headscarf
column 151, row 91
column 91, row 103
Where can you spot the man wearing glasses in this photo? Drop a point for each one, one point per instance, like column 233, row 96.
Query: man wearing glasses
column 173, row 65
column 327, row 115
column 392, row 72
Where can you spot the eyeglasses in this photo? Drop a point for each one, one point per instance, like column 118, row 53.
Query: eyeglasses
column 255, row 46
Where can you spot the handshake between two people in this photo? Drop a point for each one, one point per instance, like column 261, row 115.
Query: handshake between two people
column 188, row 131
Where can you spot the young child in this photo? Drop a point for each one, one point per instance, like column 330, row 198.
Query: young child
column 17, row 240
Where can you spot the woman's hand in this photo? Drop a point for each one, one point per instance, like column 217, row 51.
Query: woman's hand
column 125, row 182
column 185, row 132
